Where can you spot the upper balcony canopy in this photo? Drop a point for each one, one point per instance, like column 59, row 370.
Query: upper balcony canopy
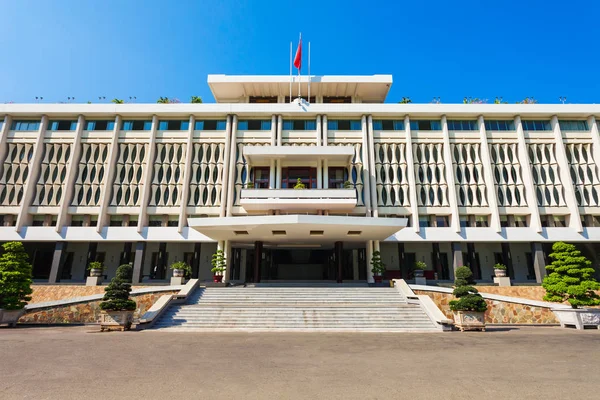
column 235, row 88
column 257, row 155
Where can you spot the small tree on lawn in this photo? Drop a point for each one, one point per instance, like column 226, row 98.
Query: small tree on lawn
column 468, row 298
column 570, row 277
column 116, row 297
column 15, row 277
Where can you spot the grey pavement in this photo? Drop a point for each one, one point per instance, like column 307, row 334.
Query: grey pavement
column 503, row 363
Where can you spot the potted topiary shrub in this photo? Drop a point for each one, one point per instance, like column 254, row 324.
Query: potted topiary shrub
column 377, row 267
column 219, row 264
column 96, row 268
column 250, row 185
column 571, row 278
column 469, row 307
column 348, row 185
column 181, row 270
column 419, row 269
column 299, row 185
column 117, row 308
column 500, row 270
column 15, row 282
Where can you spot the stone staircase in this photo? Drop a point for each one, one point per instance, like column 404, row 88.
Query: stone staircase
column 316, row 308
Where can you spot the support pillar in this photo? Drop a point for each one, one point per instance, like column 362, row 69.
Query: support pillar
column 472, row 259
column 228, row 261
column 539, row 264
column 370, row 278
column 138, row 262
column 507, row 258
column 57, row 262
column 196, row 260
column 258, row 249
column 436, row 259
column 91, row 256
column 339, row 253
column 404, row 270
column 126, row 253
column 457, row 256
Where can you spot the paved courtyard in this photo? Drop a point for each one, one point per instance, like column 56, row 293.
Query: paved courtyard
column 503, row 363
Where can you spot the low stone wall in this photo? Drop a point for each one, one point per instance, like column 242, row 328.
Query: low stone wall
column 499, row 312
column 524, row 292
column 86, row 312
column 44, row 293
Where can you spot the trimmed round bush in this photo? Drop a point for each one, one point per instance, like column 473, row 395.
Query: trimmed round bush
column 116, row 296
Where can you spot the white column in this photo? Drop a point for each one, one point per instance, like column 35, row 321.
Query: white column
column 71, row 176
column 4, row 136
column 106, row 192
column 366, row 168
column 452, row 199
column 231, row 168
column 229, row 258
column 272, row 175
column 319, row 175
column 370, row 278
column 374, row 201
column 319, row 133
column 595, row 140
column 187, row 174
column 31, row 181
column 486, row 160
column 273, row 130
column 325, row 174
column 147, row 176
column 410, row 172
column 534, row 219
column 225, row 175
column 565, row 177
column 324, row 131
column 279, row 130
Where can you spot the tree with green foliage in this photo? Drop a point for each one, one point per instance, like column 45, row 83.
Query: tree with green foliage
column 468, row 298
column 405, row 100
column 570, row 277
column 377, row 265
column 116, row 296
column 196, row 100
column 299, row 185
column 117, row 101
column 218, row 262
column 15, row 277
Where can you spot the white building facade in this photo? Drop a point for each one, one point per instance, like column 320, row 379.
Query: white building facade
column 151, row 184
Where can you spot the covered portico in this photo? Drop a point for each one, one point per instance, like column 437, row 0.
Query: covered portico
column 321, row 233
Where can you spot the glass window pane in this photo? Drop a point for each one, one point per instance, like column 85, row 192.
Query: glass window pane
column 288, row 125
column 221, row 125
column 243, row 125
column 185, row 125
column 311, row 125
column 332, row 125
column 377, row 125
column 147, row 125
column 163, row 125
column 398, row 125
column 199, row 125
column 355, row 126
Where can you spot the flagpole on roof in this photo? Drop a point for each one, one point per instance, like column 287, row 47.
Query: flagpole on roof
column 300, row 66
column 308, row 99
column 291, row 78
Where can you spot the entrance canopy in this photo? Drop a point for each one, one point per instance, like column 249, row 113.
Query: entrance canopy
column 297, row 228
column 264, row 154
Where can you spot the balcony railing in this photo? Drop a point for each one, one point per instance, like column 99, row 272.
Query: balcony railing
column 294, row 199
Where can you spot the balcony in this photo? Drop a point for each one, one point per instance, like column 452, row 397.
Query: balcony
column 298, row 200
column 262, row 155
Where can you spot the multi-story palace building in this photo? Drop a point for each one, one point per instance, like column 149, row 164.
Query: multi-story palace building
column 150, row 184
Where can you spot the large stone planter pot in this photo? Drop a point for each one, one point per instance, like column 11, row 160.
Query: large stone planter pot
column 178, row 273
column 96, row 272
column 419, row 273
column 217, row 278
column 377, row 278
column 469, row 320
column 578, row 318
column 11, row 317
column 500, row 273
column 116, row 319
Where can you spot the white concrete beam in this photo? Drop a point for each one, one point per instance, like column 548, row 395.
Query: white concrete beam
column 366, row 167
column 373, row 180
column 187, row 174
column 147, row 176
column 452, row 198
column 231, row 167
column 225, row 177
column 534, row 218
column 410, row 171
column 486, row 159
column 106, row 192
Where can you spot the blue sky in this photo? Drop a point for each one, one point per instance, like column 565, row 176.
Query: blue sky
column 119, row 48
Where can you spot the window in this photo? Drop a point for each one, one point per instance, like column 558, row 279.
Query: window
column 173, row 125
column 344, row 125
column 596, row 220
column 424, row 222
column 77, row 220
column 116, row 220
column 210, row 125
column 173, row 221
column 299, row 125
column 536, row 125
column 337, row 176
column 137, row 125
column 388, row 125
column 99, row 125
column 257, row 99
column 155, row 220
column 261, row 177
column 442, row 221
column 464, row 221
column 337, row 99
column 290, row 176
column 133, row 220
column 25, row 125
column 62, row 125
column 455, row 125
column 311, row 100
column 504, row 221
column 481, row 221
column 520, row 221
column 573, row 125
column 500, row 125
column 254, row 125
column 38, row 220
column 1, row 125
column 426, row 125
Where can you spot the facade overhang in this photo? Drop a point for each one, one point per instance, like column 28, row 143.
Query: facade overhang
column 235, row 88
column 297, row 228
column 264, row 154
